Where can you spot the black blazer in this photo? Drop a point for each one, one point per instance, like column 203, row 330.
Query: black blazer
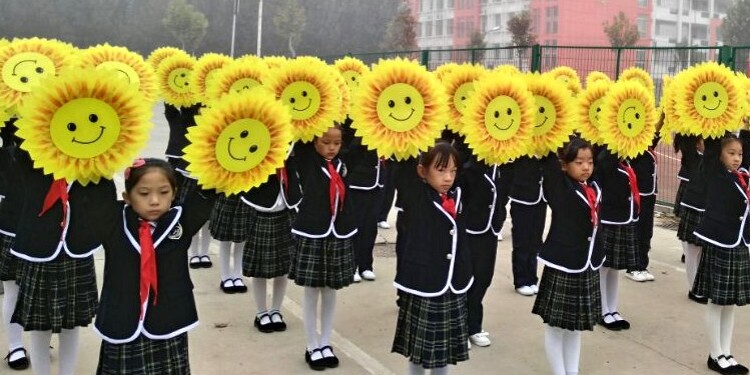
column 644, row 166
column 11, row 187
column 480, row 186
column 263, row 197
column 570, row 245
column 691, row 159
column 694, row 196
column 42, row 238
column 118, row 316
column 618, row 207
column 526, row 183
column 434, row 259
column 314, row 219
column 724, row 221
column 363, row 165
column 179, row 119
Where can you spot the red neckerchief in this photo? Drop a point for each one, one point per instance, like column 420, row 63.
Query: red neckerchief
column 336, row 186
column 57, row 190
column 449, row 205
column 633, row 180
column 148, row 264
column 282, row 176
column 741, row 176
column 591, row 198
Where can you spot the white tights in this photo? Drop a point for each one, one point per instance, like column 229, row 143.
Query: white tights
column 231, row 251
column 608, row 283
column 201, row 241
column 563, row 350
column 415, row 369
column 310, row 316
column 692, row 260
column 40, row 351
column 259, row 293
column 15, row 331
column 720, row 325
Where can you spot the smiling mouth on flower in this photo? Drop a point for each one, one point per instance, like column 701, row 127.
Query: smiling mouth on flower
column 101, row 132
column 402, row 119
column 229, row 151
column 309, row 103
column 505, row 128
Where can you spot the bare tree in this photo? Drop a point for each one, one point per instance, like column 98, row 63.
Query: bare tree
column 289, row 22
column 401, row 34
column 186, row 24
column 520, row 27
column 621, row 32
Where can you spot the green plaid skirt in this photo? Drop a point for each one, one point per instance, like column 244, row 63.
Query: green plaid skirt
column 689, row 222
column 269, row 248
column 55, row 295
column 144, row 356
column 678, row 209
column 231, row 219
column 569, row 300
column 323, row 262
column 724, row 275
column 187, row 185
column 432, row 331
column 8, row 262
column 620, row 245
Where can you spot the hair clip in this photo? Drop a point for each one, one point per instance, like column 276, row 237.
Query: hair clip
column 136, row 164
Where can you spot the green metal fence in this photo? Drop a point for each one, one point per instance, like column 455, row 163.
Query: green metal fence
column 658, row 61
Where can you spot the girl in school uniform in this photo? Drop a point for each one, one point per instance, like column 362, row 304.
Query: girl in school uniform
column 690, row 159
column 692, row 205
column 434, row 269
column 644, row 166
column 324, row 227
column 480, row 185
column 229, row 224
column 147, row 304
column 724, row 273
column 618, row 232
column 55, row 247
column 179, row 120
column 270, row 245
column 10, row 197
column 569, row 298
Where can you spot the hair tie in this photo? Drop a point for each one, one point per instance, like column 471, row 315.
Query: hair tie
column 137, row 163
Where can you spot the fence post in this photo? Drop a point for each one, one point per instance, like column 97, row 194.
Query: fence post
column 536, row 58
column 426, row 58
column 473, row 56
column 726, row 56
column 617, row 63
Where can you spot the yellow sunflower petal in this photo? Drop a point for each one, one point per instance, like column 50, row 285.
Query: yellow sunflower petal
column 596, row 76
column 25, row 62
column 352, row 70
column 400, row 109
column 507, row 69
column 554, row 114
column 161, row 53
column 243, row 74
column 459, row 85
column 666, row 105
column 83, row 125
column 344, row 96
column 174, row 80
column 238, row 142
column 275, row 61
column 707, row 100
column 307, row 87
column 204, row 71
column 628, row 119
column 443, row 69
column 499, row 119
column 568, row 76
column 639, row 75
column 125, row 64
column 590, row 103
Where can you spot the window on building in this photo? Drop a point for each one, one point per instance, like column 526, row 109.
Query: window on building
column 700, row 32
column 439, row 28
column 483, row 23
column 470, row 27
column 535, row 17
column 419, row 29
column 551, row 20
column 667, row 3
column 721, row 6
column 428, row 29
column 449, row 27
column 642, row 23
column 438, row 4
column 450, row 4
column 642, row 3
column 700, row 5
column 426, row 5
column 498, row 19
column 666, row 29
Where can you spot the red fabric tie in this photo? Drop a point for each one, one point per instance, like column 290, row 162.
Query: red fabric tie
column 148, row 264
column 282, row 176
column 633, row 180
column 741, row 176
column 591, row 198
column 449, row 205
column 58, row 190
column 336, row 187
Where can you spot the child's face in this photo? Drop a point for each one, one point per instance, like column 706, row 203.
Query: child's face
column 328, row 145
column 152, row 196
column 581, row 167
column 441, row 179
column 731, row 155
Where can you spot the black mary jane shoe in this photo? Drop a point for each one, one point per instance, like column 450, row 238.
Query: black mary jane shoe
column 239, row 286
column 697, row 299
column 713, row 365
column 613, row 326
column 195, row 262
column 279, row 326
column 622, row 323
column 314, row 364
column 263, row 327
column 19, row 363
column 206, row 262
column 738, row 368
column 227, row 286
column 332, row 361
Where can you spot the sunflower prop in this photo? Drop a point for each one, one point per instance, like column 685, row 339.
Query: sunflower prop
column 161, row 53
column 204, row 71
column 708, row 100
column 352, row 70
column 628, row 119
column 667, row 105
column 499, row 118
column 125, row 64
column 344, row 96
column 236, row 77
column 25, row 62
column 568, row 76
column 639, row 75
column 590, row 103
column 596, row 76
column 400, row 109
column 237, row 143
column 274, row 62
column 554, row 114
column 459, row 85
column 83, row 125
column 444, row 69
column 174, row 80
column 307, row 87
column 744, row 83
column 507, row 69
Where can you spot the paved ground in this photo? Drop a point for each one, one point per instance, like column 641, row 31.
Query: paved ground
column 667, row 336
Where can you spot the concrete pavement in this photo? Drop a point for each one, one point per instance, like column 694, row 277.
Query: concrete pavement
column 667, row 334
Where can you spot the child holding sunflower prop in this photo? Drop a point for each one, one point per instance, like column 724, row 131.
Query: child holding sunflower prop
column 628, row 120
column 590, row 103
column 78, row 129
column 161, row 53
column 129, row 66
column 459, row 84
column 236, row 77
column 568, row 76
column 596, row 76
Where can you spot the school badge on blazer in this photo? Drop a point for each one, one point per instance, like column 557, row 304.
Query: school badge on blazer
column 176, row 233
